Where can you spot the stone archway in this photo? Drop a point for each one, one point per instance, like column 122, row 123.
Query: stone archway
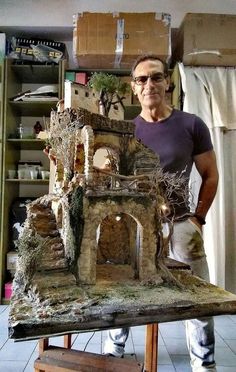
column 96, row 209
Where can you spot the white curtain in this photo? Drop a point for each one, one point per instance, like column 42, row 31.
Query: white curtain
column 230, row 208
column 210, row 92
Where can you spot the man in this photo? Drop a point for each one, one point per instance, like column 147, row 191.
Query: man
column 180, row 139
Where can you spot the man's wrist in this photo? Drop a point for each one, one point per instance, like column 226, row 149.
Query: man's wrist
column 200, row 219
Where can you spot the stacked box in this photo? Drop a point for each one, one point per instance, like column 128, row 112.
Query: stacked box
column 81, row 78
column 77, row 77
column 206, row 40
column 38, row 50
column 70, row 75
column 12, row 257
column 115, row 40
column 8, row 290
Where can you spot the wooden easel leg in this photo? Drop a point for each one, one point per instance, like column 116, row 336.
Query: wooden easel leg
column 151, row 348
column 43, row 345
column 67, row 341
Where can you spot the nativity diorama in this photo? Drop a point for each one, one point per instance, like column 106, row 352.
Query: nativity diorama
column 93, row 254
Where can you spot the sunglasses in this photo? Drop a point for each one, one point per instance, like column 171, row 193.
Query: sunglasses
column 156, row 78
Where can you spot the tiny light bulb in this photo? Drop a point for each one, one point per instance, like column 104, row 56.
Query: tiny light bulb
column 118, row 218
column 164, row 207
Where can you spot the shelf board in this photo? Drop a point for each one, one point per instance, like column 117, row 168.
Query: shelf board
column 39, row 108
column 114, row 71
column 27, row 181
column 36, row 74
column 27, row 144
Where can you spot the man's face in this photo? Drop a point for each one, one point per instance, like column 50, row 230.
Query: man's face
column 150, row 84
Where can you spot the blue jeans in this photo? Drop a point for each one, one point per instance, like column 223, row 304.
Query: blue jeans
column 186, row 246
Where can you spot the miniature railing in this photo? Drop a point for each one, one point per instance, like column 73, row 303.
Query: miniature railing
column 104, row 180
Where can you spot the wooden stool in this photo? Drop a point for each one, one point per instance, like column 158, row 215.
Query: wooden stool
column 63, row 359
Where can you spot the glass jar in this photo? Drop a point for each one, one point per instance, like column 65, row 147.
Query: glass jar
column 20, row 131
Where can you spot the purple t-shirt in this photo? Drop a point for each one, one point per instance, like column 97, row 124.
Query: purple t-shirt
column 176, row 140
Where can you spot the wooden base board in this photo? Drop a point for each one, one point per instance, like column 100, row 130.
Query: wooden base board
column 114, row 305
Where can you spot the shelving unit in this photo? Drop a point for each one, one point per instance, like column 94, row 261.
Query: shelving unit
column 18, row 77
column 1, row 144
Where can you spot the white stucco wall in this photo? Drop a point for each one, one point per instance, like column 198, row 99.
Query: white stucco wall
column 58, row 13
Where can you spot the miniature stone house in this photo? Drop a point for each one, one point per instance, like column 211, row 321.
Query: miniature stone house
column 117, row 192
column 79, row 95
column 63, row 271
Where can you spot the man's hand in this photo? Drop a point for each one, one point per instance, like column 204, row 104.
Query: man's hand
column 196, row 222
column 48, row 151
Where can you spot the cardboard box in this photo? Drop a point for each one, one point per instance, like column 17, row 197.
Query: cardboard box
column 206, row 40
column 8, row 290
column 70, row 75
column 115, row 40
column 12, row 260
column 81, row 78
column 78, row 95
column 40, row 50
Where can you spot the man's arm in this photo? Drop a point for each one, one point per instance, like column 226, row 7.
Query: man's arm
column 207, row 168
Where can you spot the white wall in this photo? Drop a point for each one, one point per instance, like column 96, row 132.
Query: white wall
column 58, row 13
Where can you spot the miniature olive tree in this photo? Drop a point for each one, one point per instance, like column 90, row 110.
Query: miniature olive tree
column 111, row 89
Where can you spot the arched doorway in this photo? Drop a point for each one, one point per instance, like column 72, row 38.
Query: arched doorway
column 118, row 245
column 106, row 157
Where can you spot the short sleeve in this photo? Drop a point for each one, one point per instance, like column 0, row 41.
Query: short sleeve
column 202, row 138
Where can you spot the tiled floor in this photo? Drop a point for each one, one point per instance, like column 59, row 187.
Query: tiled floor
column 172, row 350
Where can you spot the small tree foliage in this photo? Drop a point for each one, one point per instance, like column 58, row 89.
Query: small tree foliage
column 111, row 89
